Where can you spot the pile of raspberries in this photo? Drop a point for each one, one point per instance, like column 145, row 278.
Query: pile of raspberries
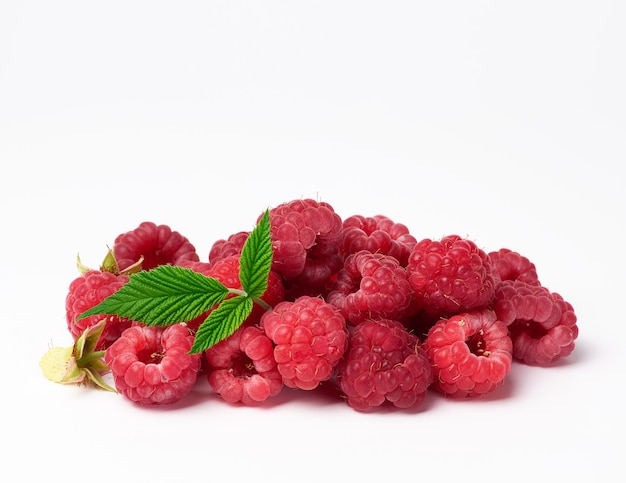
column 359, row 304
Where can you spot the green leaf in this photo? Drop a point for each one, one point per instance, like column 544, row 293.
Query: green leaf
column 222, row 322
column 256, row 259
column 162, row 296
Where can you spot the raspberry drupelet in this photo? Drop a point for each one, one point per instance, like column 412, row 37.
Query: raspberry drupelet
column 377, row 234
column 85, row 292
column 542, row 325
column 370, row 286
column 384, row 364
column 511, row 265
column 225, row 247
column 310, row 337
column 157, row 244
column 306, row 236
column 471, row 353
column 451, row 275
column 242, row 368
column 152, row 365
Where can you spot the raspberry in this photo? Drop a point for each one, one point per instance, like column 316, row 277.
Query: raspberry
column 87, row 291
column 541, row 323
column 510, row 265
column 226, row 270
column 233, row 245
column 310, row 337
column 157, row 244
column 306, row 235
column 152, row 365
column 450, row 276
column 370, row 286
column 242, row 367
column 197, row 266
column 471, row 353
column 384, row 364
column 377, row 234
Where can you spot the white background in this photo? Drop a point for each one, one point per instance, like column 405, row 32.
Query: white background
column 500, row 121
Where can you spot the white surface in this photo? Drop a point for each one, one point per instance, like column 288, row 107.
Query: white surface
column 503, row 123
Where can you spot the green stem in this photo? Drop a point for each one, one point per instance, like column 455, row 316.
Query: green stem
column 262, row 303
column 238, row 291
column 257, row 300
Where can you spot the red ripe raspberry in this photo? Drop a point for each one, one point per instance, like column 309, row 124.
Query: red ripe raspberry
column 470, row 353
column 310, row 337
column 242, row 367
column 87, row 291
column 377, row 234
column 201, row 267
column 450, row 276
column 370, row 286
column 306, row 236
column 510, row 265
column 541, row 324
column 233, row 245
column 152, row 365
column 158, row 245
column 384, row 363
column 226, row 271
